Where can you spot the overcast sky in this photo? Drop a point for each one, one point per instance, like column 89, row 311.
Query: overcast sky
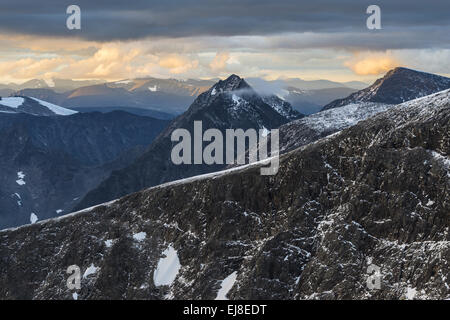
column 210, row 38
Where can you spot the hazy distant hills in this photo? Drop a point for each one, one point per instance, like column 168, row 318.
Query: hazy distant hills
column 307, row 97
column 162, row 98
column 166, row 98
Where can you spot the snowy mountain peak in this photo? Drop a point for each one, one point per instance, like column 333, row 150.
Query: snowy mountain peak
column 232, row 83
column 241, row 101
column 397, row 86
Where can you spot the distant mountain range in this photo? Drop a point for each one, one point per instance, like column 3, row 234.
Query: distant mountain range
column 307, row 97
column 166, row 98
column 57, row 85
column 312, row 101
column 397, row 86
column 160, row 98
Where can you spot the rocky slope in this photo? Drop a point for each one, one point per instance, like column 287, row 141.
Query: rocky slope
column 376, row 193
column 229, row 104
column 319, row 125
column 397, row 86
column 48, row 163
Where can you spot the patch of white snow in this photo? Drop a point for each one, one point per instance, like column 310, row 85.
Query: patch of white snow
column 167, row 268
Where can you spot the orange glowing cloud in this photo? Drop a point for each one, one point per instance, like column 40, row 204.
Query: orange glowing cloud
column 177, row 64
column 372, row 64
column 220, row 61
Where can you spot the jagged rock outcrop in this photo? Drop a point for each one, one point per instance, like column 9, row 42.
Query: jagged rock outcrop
column 376, row 193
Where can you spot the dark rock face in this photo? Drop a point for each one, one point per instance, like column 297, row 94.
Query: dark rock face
column 62, row 157
column 376, row 193
column 397, row 86
column 229, row 104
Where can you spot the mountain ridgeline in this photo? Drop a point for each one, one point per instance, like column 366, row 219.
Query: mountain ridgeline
column 229, row 104
column 397, row 86
column 375, row 194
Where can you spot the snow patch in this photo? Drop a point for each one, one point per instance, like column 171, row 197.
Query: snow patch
column 12, row 102
column 33, row 218
column 139, row 236
column 153, row 89
column 54, row 108
column 167, row 268
column 20, row 177
column 411, row 293
column 237, row 100
column 108, row 243
column 265, row 132
column 226, row 286
column 124, row 82
column 91, row 270
column 50, row 83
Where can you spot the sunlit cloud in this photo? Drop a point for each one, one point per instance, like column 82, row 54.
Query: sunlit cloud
column 220, row 61
column 178, row 64
column 372, row 64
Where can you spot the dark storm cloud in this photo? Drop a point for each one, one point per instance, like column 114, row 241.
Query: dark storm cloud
column 406, row 23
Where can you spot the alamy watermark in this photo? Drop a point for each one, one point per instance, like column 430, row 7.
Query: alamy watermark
column 236, row 149
column 73, row 21
column 374, row 277
column 74, row 280
column 374, row 20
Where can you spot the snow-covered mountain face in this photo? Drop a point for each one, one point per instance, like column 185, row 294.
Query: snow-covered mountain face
column 48, row 163
column 229, row 104
column 313, row 127
column 372, row 195
column 242, row 103
column 397, row 86
column 32, row 106
column 281, row 106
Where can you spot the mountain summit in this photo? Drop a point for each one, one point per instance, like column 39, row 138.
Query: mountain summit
column 232, row 83
column 397, row 86
column 228, row 104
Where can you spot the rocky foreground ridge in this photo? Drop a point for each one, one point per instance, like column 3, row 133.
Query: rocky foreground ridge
column 376, row 193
